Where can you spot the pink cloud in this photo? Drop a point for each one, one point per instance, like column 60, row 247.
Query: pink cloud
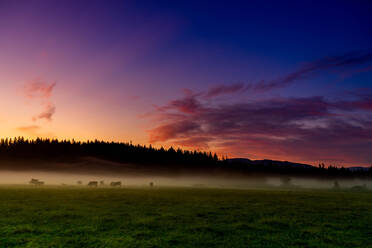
column 39, row 89
column 47, row 113
column 42, row 91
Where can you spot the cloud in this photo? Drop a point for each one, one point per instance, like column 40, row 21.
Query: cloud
column 342, row 63
column 47, row 113
column 176, row 129
column 225, row 89
column 186, row 105
column 42, row 91
column 31, row 129
column 35, row 131
column 39, row 89
column 305, row 129
column 198, row 142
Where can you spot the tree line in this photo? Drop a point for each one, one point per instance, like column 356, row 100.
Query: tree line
column 125, row 152
column 64, row 150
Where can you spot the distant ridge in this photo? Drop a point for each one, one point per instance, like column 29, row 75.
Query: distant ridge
column 358, row 168
column 268, row 162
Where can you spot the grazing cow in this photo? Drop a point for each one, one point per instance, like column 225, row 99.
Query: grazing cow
column 36, row 182
column 286, row 182
column 115, row 184
column 336, row 185
column 93, row 184
column 40, row 183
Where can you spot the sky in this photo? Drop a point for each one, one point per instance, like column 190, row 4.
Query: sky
column 285, row 80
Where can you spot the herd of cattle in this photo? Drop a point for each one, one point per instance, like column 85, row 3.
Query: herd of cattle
column 37, row 182
column 101, row 183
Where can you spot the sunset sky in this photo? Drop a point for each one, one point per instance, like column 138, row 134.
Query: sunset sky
column 286, row 80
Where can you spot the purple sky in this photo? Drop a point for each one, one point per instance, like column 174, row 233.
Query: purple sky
column 287, row 80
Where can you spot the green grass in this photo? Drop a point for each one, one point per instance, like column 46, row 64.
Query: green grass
column 183, row 217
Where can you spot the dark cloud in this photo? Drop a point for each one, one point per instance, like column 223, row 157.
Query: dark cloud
column 173, row 130
column 306, row 129
column 341, row 62
column 188, row 104
column 225, row 89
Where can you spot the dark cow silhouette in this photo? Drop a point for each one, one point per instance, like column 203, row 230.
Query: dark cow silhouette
column 115, row 184
column 151, row 184
column 36, row 182
column 286, row 182
column 336, row 185
column 93, row 184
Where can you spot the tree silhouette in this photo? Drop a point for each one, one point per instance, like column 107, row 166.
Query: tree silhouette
column 173, row 159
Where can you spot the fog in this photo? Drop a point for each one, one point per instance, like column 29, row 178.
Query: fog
column 58, row 178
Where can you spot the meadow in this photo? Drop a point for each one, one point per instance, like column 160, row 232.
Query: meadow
column 183, row 217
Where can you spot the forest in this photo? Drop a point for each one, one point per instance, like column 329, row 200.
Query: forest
column 49, row 151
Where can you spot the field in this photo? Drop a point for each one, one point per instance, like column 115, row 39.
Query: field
column 183, row 217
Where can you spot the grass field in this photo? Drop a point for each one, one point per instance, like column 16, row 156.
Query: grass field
column 183, row 217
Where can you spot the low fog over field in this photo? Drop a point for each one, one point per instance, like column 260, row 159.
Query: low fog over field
column 8, row 177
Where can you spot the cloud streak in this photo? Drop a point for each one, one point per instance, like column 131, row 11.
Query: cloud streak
column 41, row 91
column 225, row 90
column 29, row 129
column 46, row 114
column 341, row 62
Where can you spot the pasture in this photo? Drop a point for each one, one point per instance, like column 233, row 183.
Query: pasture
column 183, row 217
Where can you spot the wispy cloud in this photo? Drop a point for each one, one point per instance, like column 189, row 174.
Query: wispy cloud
column 344, row 62
column 34, row 131
column 31, row 128
column 39, row 89
column 225, row 90
column 47, row 114
column 42, row 91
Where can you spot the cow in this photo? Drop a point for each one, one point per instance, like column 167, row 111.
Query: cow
column 115, row 184
column 336, row 185
column 40, row 183
column 93, row 184
column 151, row 184
column 36, row 182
